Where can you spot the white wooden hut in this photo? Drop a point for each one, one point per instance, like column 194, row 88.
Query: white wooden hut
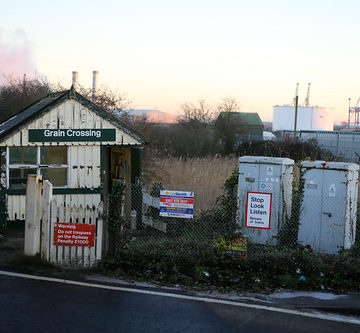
column 69, row 140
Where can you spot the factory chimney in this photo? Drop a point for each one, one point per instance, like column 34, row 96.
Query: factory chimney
column 24, row 82
column 75, row 80
column 94, row 90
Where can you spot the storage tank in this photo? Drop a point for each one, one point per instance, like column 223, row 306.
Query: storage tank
column 308, row 118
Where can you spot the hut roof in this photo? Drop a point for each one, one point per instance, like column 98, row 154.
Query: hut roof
column 50, row 101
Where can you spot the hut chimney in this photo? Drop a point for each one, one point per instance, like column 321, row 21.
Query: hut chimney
column 94, row 90
column 75, row 80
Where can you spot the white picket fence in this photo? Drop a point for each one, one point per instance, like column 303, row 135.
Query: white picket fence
column 83, row 256
column 43, row 212
column 149, row 201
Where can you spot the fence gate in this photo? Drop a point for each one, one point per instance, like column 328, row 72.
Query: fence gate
column 65, row 235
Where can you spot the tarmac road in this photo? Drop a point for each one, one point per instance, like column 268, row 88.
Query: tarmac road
column 40, row 304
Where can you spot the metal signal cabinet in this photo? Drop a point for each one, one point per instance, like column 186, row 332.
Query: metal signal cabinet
column 329, row 205
column 260, row 176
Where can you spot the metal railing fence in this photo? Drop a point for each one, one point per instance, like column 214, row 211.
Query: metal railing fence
column 344, row 144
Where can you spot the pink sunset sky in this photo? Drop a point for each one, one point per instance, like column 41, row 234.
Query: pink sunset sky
column 162, row 54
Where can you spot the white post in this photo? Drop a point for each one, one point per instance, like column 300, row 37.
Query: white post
column 100, row 232
column 133, row 216
column 33, row 215
column 46, row 220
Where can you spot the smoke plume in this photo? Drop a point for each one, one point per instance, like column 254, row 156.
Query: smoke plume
column 15, row 56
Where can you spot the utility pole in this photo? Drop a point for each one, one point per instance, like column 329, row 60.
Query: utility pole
column 296, row 111
column 349, row 114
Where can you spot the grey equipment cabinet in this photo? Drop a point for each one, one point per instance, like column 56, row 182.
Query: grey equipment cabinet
column 265, row 188
column 329, row 205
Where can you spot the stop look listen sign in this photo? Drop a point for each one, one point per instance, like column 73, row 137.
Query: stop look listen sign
column 258, row 210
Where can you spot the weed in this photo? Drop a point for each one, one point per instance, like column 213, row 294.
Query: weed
column 8, row 247
column 33, row 263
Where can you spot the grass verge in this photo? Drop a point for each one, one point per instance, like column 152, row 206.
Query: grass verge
column 31, row 263
column 295, row 269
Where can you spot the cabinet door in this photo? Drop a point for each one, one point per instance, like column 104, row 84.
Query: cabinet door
column 311, row 209
column 248, row 181
column 333, row 211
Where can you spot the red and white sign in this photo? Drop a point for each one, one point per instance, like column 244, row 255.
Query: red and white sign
column 185, row 203
column 258, row 210
column 74, row 234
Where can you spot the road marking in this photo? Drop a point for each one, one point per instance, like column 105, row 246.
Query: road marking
column 185, row 297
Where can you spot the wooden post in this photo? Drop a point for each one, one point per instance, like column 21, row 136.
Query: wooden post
column 33, row 215
column 46, row 220
column 122, row 211
column 53, row 217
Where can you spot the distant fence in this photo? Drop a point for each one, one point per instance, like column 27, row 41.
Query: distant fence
column 344, row 144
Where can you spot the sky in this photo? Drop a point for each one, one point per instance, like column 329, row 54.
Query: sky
column 162, row 54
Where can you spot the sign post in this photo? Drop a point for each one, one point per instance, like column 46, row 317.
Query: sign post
column 258, row 210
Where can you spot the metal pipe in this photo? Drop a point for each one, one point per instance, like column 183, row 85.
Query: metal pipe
column 349, row 113
column 75, row 80
column 94, row 90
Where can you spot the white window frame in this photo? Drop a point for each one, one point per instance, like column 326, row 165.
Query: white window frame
column 38, row 164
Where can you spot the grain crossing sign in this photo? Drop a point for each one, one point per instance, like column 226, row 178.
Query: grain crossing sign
column 177, row 204
column 68, row 135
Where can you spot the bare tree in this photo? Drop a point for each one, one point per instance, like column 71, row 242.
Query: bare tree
column 114, row 102
column 16, row 94
column 201, row 112
column 226, row 126
column 228, row 104
column 107, row 98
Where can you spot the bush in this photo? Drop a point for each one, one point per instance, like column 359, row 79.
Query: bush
column 266, row 268
column 298, row 151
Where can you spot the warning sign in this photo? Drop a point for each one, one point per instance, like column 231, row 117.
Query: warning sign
column 270, row 170
column 332, row 190
column 235, row 247
column 258, row 210
column 74, row 234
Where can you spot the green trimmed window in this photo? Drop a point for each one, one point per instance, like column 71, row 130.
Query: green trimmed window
column 49, row 161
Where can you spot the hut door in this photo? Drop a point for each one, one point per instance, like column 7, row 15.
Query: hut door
column 121, row 170
column 117, row 165
column 120, row 164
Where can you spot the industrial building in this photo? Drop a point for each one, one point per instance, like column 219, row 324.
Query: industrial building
column 309, row 118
